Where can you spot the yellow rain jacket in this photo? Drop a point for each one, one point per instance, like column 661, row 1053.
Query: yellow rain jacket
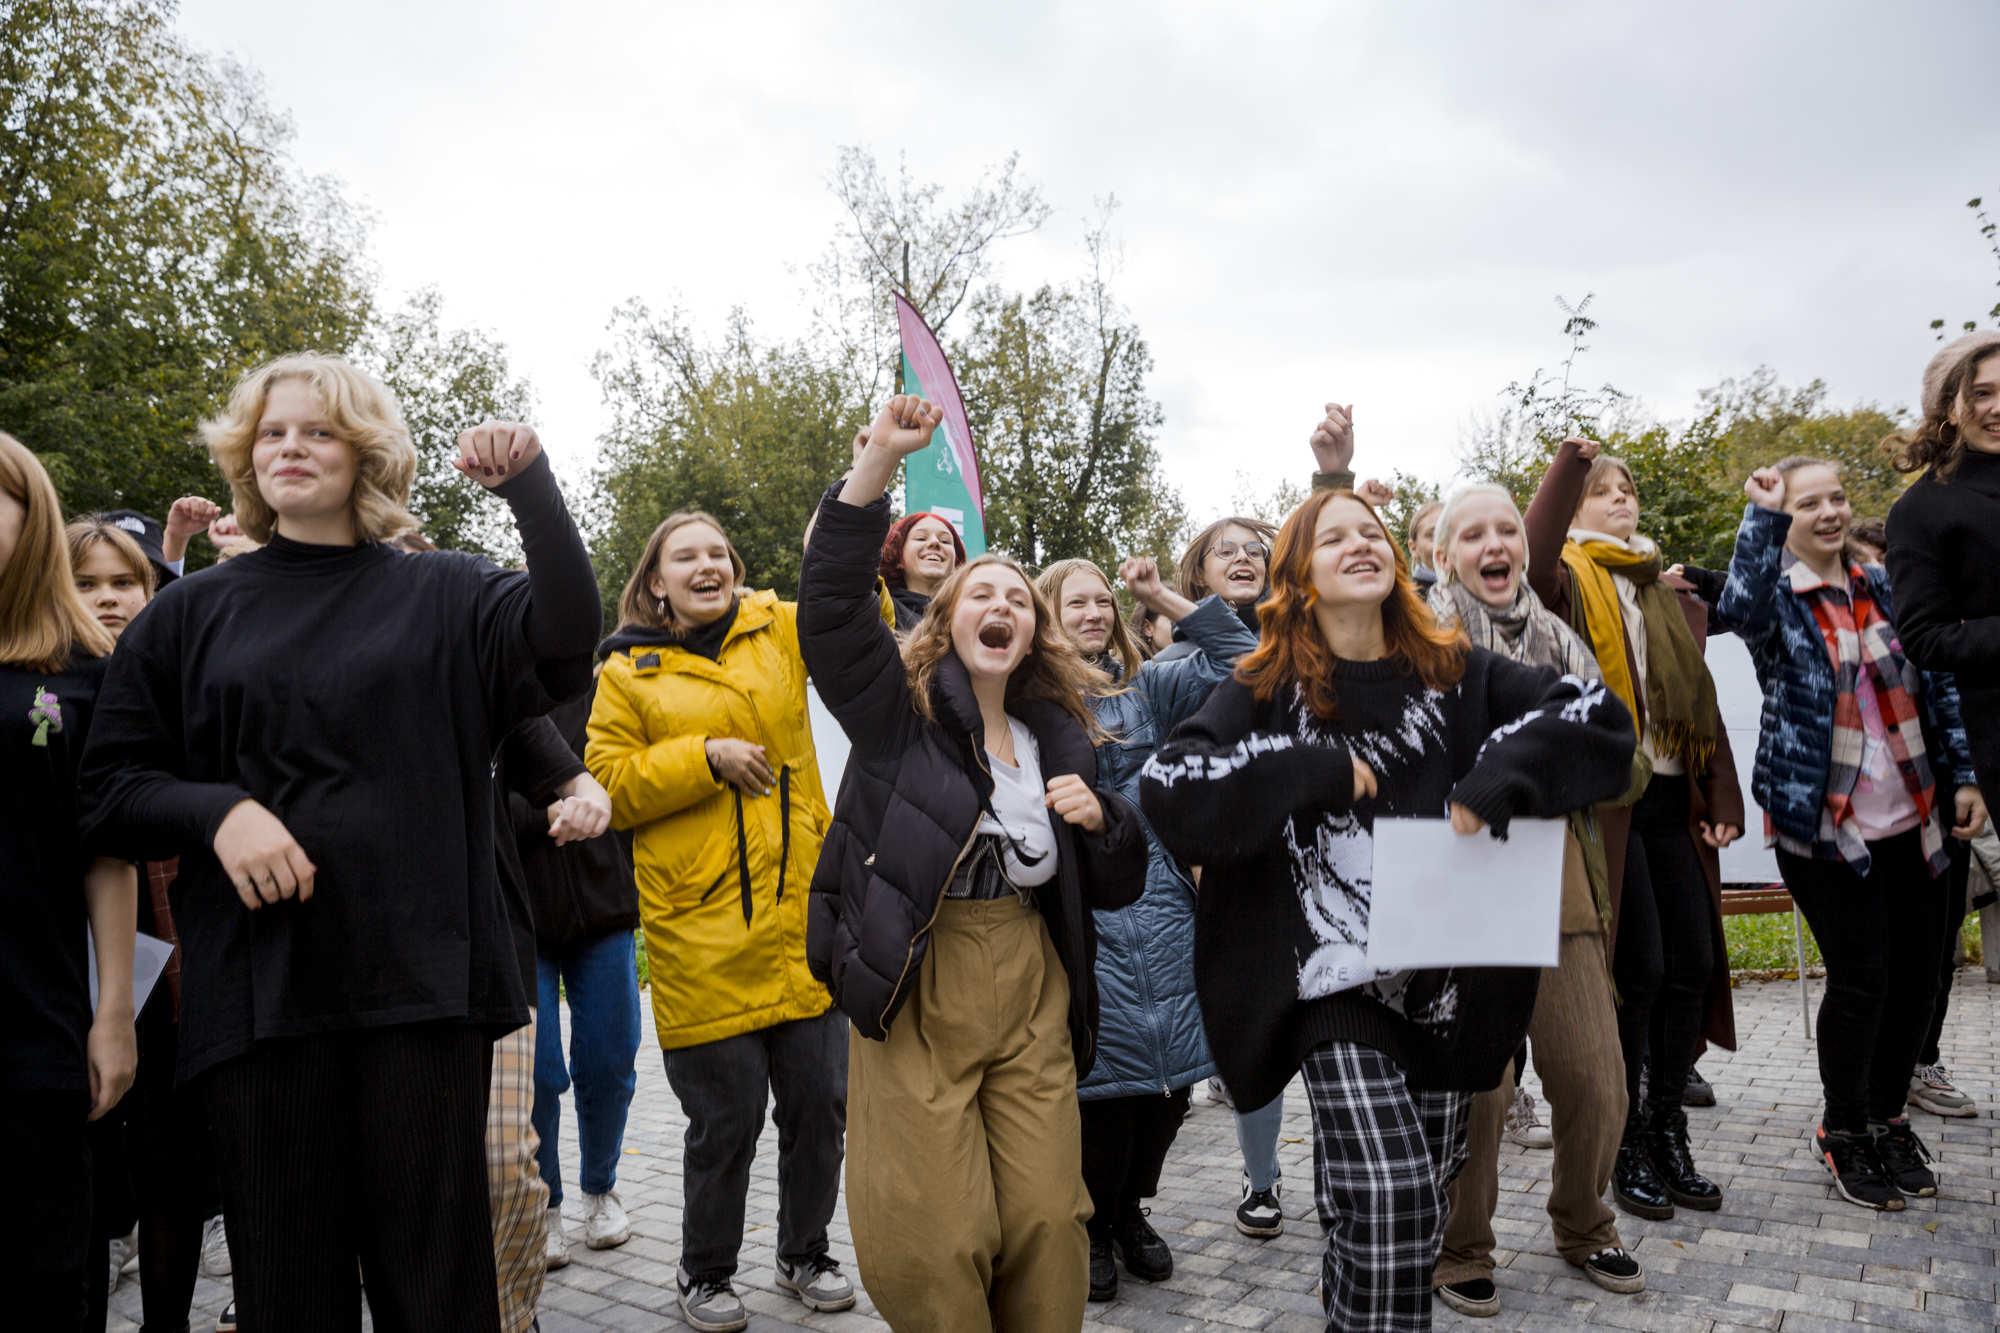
column 722, row 876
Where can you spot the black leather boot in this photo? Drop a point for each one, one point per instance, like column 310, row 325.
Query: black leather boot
column 1146, row 1256
column 1635, row 1186
column 1103, row 1269
column 1667, row 1144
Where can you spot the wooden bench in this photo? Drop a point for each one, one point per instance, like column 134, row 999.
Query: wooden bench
column 1769, row 899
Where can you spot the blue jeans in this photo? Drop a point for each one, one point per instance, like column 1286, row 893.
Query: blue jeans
column 602, row 985
column 1257, row 1137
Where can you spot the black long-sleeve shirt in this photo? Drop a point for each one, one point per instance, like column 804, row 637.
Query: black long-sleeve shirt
column 359, row 695
column 1944, row 551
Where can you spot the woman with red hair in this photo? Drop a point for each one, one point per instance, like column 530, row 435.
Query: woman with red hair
column 1357, row 706
column 919, row 553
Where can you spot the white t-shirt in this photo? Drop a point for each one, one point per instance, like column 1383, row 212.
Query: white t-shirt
column 1018, row 799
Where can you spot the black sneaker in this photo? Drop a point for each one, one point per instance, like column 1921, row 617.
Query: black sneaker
column 1903, row 1156
column 226, row 1321
column 1476, row 1297
column 1146, row 1256
column 1260, row 1213
column 1615, row 1270
column 1857, row 1170
column 1698, row 1092
column 1103, row 1269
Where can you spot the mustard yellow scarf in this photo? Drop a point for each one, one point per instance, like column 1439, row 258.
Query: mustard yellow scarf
column 1680, row 694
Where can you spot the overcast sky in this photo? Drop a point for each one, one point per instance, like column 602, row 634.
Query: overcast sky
column 1374, row 202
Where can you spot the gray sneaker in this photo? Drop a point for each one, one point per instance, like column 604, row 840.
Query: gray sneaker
column 708, row 1306
column 1930, row 1088
column 214, row 1248
column 817, row 1282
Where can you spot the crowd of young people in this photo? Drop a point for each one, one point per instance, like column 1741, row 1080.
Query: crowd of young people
column 394, row 815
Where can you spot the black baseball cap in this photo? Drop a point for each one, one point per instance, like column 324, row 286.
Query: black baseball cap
column 150, row 536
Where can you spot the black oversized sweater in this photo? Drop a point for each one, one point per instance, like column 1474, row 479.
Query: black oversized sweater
column 1261, row 796
column 359, row 695
column 1944, row 563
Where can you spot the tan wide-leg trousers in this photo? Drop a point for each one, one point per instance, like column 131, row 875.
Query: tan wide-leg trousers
column 1574, row 1039
column 965, row 1187
column 516, row 1194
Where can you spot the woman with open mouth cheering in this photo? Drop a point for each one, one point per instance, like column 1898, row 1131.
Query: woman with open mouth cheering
column 1853, row 757
column 700, row 734
column 950, row 917
column 1357, row 706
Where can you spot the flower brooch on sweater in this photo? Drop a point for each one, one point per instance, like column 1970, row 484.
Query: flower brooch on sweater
column 46, row 715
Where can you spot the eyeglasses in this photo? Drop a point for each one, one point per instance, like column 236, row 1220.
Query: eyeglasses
column 1255, row 550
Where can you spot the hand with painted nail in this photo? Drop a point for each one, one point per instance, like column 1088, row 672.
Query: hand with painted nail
column 493, row 451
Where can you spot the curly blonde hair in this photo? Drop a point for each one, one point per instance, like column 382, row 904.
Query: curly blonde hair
column 361, row 410
column 1052, row 670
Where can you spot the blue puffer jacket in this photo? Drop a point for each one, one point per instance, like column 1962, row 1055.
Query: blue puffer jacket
column 1149, row 1035
column 1795, row 731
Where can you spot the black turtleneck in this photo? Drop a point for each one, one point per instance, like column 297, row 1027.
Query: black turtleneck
column 359, row 694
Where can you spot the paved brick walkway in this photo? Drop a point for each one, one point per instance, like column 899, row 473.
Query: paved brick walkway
column 1782, row 1254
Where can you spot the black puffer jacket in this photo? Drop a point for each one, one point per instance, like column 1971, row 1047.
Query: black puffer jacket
column 912, row 795
column 580, row 890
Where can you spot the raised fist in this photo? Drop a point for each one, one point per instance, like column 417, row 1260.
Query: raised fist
column 493, row 451
column 1766, row 488
column 1333, row 439
column 1377, row 493
column 1587, row 450
column 904, row 425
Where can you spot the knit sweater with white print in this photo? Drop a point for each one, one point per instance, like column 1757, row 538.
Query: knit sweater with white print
column 1261, row 796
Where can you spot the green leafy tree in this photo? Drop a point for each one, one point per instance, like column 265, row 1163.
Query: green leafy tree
column 1055, row 389
column 154, row 242
column 447, row 380
column 751, row 432
column 1761, row 421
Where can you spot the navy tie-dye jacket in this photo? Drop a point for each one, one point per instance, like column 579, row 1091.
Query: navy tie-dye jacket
column 1795, row 731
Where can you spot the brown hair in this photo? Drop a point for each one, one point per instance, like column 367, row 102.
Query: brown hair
column 1790, row 463
column 1192, row 585
column 1872, row 531
column 42, row 616
column 1600, row 467
column 1052, row 670
column 87, row 533
column 1935, row 442
column 637, row 605
column 1050, row 586
column 360, row 410
column 1140, row 626
column 1294, row 651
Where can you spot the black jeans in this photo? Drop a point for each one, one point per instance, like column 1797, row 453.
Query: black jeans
column 1880, row 937
column 1955, row 914
column 722, row 1086
column 1125, row 1142
column 46, row 1235
column 173, row 1174
column 369, row 1144
column 1666, row 946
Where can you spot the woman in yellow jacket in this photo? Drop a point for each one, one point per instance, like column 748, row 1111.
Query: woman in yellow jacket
column 700, row 734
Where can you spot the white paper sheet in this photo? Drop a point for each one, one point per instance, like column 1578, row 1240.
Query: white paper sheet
column 1441, row 900
column 149, row 962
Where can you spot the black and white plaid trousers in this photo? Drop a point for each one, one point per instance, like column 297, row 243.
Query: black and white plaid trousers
column 1383, row 1156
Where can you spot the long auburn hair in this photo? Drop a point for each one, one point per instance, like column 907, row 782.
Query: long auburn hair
column 637, row 606
column 1123, row 646
column 1052, row 670
column 1293, row 651
column 1935, row 442
column 42, row 616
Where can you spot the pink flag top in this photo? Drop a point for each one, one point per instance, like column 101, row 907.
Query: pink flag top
column 942, row 478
